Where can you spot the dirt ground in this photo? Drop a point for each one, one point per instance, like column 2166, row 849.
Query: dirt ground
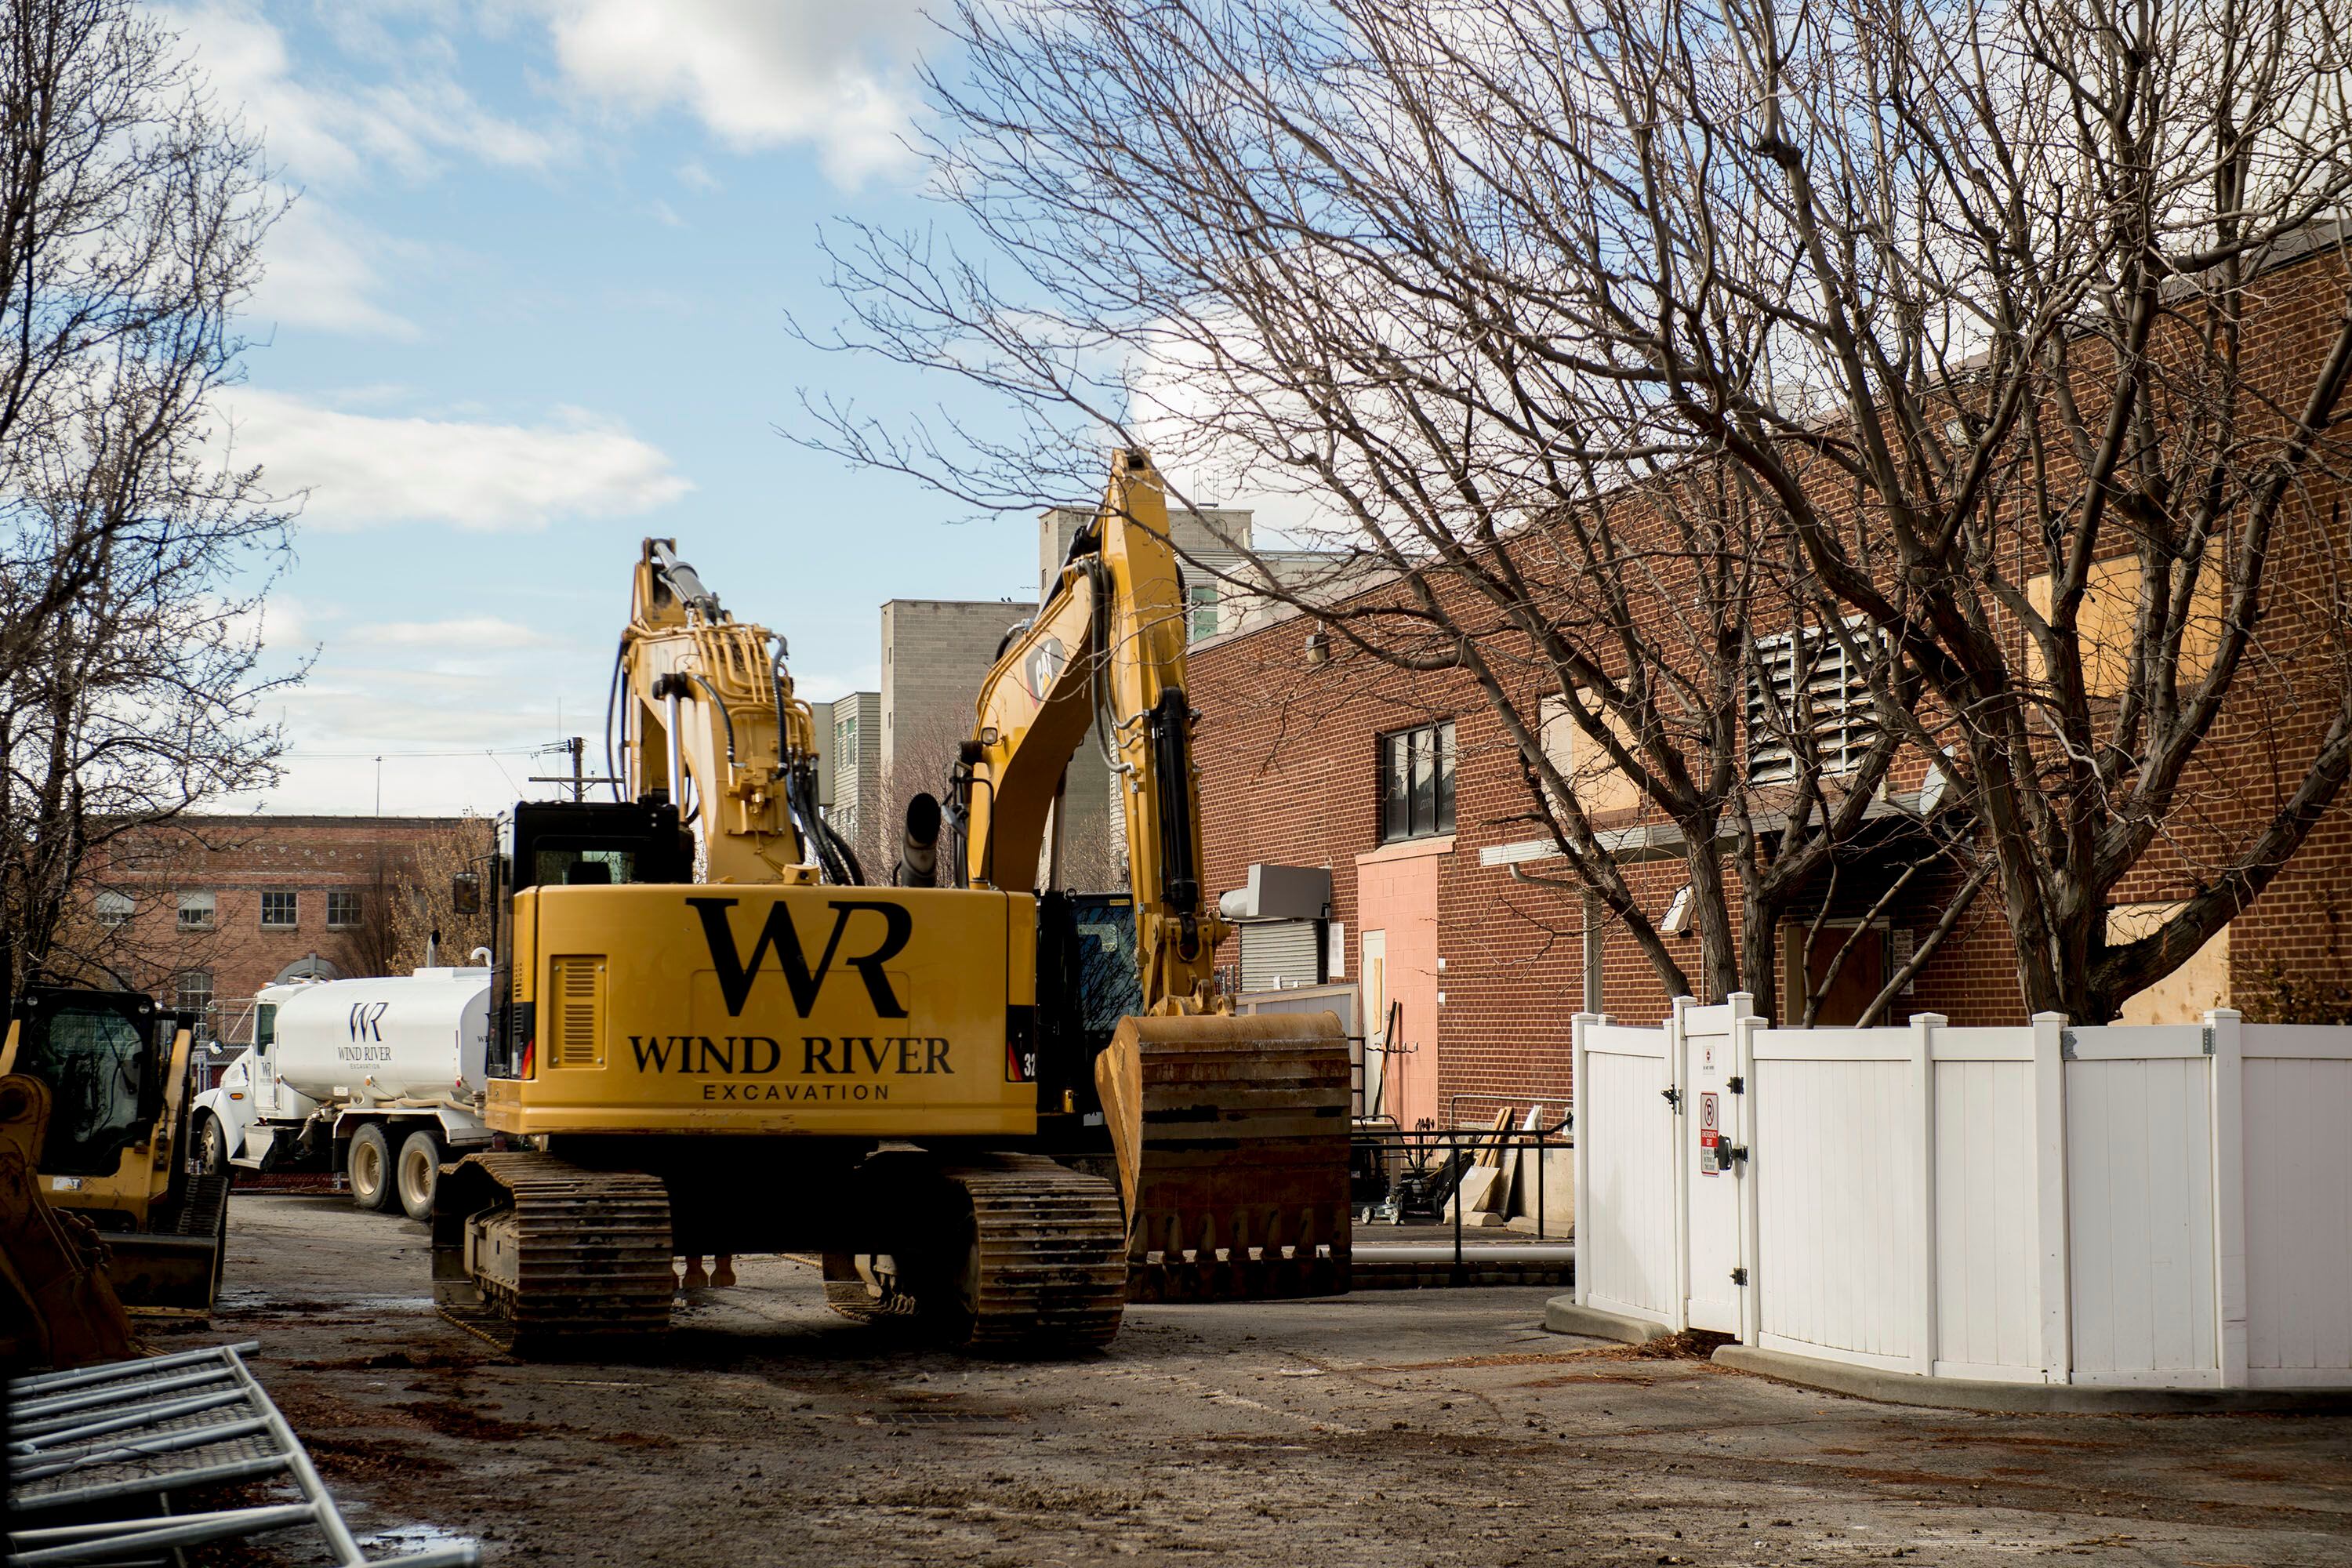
column 1409, row 1427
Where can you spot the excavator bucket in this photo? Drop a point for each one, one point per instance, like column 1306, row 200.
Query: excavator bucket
column 57, row 1307
column 1231, row 1140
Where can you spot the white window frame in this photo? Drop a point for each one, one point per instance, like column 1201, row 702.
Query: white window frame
column 180, row 991
column 358, row 910
column 1202, row 599
column 1844, row 732
column 294, row 910
column 205, row 909
column 112, row 907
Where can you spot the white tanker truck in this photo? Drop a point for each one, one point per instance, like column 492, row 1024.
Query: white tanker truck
column 381, row 1078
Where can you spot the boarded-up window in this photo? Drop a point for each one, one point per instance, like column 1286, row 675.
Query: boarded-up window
column 2109, row 615
column 1599, row 784
column 2189, row 992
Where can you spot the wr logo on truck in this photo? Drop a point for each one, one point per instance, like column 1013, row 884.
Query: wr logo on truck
column 367, row 1020
column 736, row 972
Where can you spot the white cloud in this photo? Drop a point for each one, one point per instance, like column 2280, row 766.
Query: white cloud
column 695, row 175
column 318, row 128
column 321, row 271
column 362, row 469
column 667, row 214
column 759, row 73
column 463, row 634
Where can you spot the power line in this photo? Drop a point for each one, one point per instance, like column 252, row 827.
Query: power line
column 474, row 752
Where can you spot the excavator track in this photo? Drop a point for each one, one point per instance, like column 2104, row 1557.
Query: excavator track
column 535, row 1254
column 1050, row 1247
column 1004, row 1253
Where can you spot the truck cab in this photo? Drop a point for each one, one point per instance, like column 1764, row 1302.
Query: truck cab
column 250, row 1096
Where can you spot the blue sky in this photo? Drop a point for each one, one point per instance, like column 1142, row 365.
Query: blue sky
column 529, row 308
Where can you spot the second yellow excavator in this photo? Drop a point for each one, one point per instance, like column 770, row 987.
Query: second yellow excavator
column 1230, row 1133
column 713, row 1036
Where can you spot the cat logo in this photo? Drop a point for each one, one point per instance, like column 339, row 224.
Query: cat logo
column 1043, row 667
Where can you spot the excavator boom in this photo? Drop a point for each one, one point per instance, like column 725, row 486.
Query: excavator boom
column 1230, row 1134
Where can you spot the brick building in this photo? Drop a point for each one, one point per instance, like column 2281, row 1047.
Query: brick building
column 205, row 911
column 1407, row 787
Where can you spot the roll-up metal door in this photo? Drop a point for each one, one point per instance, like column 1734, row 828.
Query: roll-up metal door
column 1276, row 955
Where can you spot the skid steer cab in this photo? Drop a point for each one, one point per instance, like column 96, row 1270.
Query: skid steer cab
column 119, row 1074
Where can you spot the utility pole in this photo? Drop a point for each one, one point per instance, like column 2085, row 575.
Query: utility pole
column 579, row 780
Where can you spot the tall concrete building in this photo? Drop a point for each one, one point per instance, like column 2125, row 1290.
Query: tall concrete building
column 857, row 753
column 934, row 653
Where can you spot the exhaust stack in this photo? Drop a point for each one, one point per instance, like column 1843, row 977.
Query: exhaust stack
column 918, row 851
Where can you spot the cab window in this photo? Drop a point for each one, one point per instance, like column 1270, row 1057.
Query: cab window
column 265, row 1025
column 554, row 867
column 95, row 1063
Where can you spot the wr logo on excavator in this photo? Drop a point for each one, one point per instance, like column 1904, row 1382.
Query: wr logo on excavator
column 736, row 972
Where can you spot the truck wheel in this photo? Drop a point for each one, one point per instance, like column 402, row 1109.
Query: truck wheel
column 369, row 1165
column 420, row 1167
column 212, row 1149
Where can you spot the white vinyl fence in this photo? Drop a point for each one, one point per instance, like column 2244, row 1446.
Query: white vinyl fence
column 2160, row 1206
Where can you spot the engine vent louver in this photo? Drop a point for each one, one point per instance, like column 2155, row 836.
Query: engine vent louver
column 575, row 1016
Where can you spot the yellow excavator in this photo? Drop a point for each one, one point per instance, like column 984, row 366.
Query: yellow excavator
column 712, row 1037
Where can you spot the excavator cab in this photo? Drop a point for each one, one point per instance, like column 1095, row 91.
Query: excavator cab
column 118, row 1070
column 104, row 1055
column 569, row 844
column 1088, row 981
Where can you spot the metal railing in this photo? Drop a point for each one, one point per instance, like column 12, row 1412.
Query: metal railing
column 107, row 1446
column 1398, row 1177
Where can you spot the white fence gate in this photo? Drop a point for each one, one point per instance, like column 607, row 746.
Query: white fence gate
column 1628, row 1197
column 2157, row 1206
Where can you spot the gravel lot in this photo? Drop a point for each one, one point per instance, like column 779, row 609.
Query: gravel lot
column 1415, row 1427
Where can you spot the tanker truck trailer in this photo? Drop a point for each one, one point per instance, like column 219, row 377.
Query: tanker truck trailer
column 382, row 1080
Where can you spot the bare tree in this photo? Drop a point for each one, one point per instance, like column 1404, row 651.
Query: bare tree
column 133, row 553
column 1625, row 337
column 1237, row 235
column 418, row 901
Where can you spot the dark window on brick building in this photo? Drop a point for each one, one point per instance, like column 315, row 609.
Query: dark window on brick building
column 280, row 911
column 1417, row 782
column 343, row 907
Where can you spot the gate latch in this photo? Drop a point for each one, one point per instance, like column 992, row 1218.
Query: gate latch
column 1673, row 1097
column 1739, row 1276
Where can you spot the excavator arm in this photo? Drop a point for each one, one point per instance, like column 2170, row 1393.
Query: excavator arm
column 711, row 724
column 1230, row 1134
column 1107, row 645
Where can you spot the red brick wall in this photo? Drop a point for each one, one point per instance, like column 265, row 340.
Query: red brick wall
column 1289, row 776
column 236, row 859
